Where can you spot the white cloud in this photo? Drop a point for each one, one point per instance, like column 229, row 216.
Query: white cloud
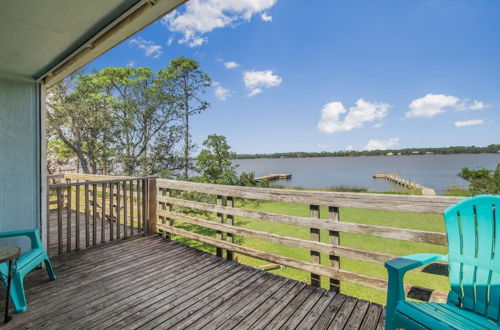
column 130, row 63
column 149, row 47
column 433, row 104
column 220, row 92
column 382, row 144
column 256, row 81
column 266, row 17
column 349, row 148
column 323, row 146
column 356, row 117
column 477, row 105
column 471, row 122
column 203, row 16
column 378, row 125
column 231, row 65
column 170, row 40
column 254, row 92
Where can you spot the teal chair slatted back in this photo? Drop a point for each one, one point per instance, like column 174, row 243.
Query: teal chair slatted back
column 473, row 230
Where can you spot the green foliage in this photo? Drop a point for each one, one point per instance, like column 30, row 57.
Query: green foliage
column 185, row 83
column 128, row 120
column 264, row 183
column 80, row 115
column 458, row 191
column 59, row 154
column 482, row 181
column 247, row 179
column 214, row 161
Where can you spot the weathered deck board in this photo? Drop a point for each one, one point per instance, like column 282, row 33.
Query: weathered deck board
column 147, row 282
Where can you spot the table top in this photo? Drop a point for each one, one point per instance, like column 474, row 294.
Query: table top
column 9, row 253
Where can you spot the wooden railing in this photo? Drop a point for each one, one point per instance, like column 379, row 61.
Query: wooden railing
column 86, row 210
column 170, row 209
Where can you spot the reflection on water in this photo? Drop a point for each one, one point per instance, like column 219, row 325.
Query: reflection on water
column 433, row 171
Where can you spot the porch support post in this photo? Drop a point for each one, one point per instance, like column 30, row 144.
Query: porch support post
column 152, row 206
column 44, row 184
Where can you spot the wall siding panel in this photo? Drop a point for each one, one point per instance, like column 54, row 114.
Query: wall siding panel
column 19, row 156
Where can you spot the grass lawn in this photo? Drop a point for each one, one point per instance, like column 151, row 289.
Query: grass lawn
column 429, row 222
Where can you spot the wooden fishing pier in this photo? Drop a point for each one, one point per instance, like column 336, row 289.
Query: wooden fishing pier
column 275, row 177
column 398, row 179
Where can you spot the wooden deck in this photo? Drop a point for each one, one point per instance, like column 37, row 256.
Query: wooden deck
column 147, row 283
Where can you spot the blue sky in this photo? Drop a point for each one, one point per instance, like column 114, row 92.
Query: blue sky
column 333, row 75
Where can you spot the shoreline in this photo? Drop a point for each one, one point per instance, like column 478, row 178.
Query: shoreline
column 350, row 156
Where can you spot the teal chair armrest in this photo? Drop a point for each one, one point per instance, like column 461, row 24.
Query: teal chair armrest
column 397, row 269
column 32, row 234
column 403, row 264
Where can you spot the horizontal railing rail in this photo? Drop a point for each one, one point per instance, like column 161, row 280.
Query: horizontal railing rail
column 389, row 202
column 173, row 208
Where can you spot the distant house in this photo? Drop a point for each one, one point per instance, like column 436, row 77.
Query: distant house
column 390, row 154
column 399, row 154
column 429, row 153
column 415, row 153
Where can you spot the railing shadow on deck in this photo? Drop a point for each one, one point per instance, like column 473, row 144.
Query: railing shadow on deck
column 164, row 206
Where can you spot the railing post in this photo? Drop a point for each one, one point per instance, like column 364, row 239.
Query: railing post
column 139, row 212
column 87, row 212
column 111, row 211
column 131, row 189
column 94, row 214
column 145, row 203
column 220, row 219
column 334, row 215
column 103, row 213
column 125, row 206
column 68, row 220
column 230, row 221
column 59, row 221
column 315, row 236
column 152, row 206
column 167, row 207
column 77, row 220
column 118, row 210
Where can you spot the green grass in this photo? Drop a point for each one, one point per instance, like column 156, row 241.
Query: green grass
column 456, row 190
column 427, row 222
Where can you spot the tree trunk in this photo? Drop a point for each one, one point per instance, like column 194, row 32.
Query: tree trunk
column 186, row 145
column 84, row 162
column 186, row 130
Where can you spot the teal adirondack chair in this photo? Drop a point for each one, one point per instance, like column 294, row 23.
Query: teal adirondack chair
column 26, row 263
column 473, row 230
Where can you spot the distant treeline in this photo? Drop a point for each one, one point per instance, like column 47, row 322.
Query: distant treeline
column 492, row 148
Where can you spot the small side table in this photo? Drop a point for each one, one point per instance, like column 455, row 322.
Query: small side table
column 10, row 254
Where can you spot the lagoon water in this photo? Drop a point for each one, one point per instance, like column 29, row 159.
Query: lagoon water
column 434, row 171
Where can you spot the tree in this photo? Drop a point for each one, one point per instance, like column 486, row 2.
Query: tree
column 482, row 181
column 214, row 162
column 185, row 82
column 117, row 119
column 80, row 114
column 59, row 154
column 164, row 158
column 145, row 115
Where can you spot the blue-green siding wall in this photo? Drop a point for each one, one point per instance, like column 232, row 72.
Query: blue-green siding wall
column 19, row 155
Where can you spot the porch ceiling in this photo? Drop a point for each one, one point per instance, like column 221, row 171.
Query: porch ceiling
column 36, row 36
